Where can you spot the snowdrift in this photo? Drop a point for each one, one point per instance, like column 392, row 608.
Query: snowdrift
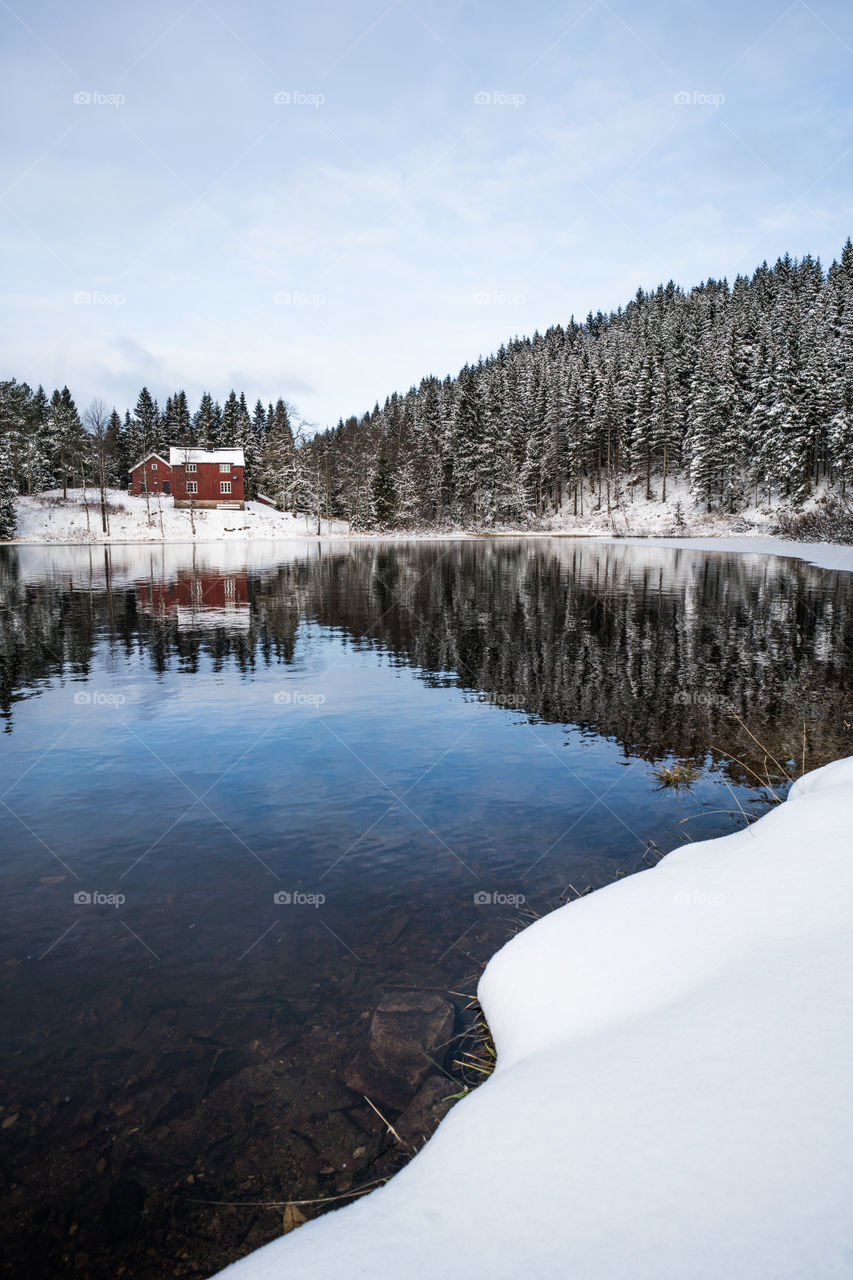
column 672, row 1095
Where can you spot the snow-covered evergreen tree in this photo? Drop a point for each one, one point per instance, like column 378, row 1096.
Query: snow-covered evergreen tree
column 8, row 490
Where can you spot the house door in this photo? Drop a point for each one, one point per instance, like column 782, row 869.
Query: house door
column 166, row 488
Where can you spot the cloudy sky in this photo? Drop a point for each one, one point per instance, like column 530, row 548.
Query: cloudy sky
column 329, row 200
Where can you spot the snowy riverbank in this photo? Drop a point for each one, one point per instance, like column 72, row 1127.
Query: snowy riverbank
column 46, row 520
column 671, row 1100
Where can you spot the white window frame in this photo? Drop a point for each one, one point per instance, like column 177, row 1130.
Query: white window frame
column 224, row 486
column 192, row 486
column 224, row 466
column 192, row 466
column 153, row 466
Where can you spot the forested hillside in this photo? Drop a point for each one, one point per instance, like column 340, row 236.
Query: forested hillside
column 744, row 392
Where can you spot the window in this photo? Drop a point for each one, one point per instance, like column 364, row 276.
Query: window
column 153, row 466
column 224, row 486
column 192, row 486
column 191, row 466
column 225, row 466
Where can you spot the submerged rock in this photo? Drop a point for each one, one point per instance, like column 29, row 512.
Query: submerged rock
column 429, row 1106
column 407, row 1030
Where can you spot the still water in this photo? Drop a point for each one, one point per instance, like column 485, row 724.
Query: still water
column 249, row 791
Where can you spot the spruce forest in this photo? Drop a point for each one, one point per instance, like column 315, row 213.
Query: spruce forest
column 743, row 392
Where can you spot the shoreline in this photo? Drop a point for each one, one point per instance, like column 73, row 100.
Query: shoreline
column 598, row 1054
column 823, row 555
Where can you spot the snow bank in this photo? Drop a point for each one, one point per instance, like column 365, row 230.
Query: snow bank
column 672, row 1095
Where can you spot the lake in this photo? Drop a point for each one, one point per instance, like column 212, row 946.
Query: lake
column 250, row 790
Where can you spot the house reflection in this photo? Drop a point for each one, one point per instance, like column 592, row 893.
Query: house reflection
column 203, row 600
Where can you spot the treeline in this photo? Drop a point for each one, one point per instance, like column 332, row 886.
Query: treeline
column 744, row 390
column 47, row 443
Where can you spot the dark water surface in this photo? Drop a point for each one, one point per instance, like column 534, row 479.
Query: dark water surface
column 381, row 732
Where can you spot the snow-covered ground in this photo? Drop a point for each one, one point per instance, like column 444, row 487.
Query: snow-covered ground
column 641, row 517
column 672, row 1094
column 47, row 518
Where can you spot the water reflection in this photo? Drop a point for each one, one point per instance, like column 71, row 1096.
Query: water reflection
column 396, row 729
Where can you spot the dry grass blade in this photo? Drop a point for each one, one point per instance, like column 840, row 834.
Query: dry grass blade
column 387, row 1123
column 283, row 1204
column 764, row 782
column 731, row 792
column 761, row 746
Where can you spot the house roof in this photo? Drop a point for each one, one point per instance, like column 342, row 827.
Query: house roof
column 178, row 456
column 148, row 458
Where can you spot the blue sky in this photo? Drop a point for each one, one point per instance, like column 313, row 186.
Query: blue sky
column 433, row 178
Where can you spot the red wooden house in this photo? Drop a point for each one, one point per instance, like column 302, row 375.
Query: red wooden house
column 207, row 477
column 152, row 475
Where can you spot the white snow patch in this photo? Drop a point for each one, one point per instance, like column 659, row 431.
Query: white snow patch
column 824, row 555
column 178, row 456
column 672, row 1094
column 47, row 518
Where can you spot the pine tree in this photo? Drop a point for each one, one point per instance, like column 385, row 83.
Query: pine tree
column 206, row 423
column 146, row 435
column 177, row 423
column 383, row 494
column 8, row 490
column 66, row 437
column 246, row 439
column 278, row 470
column 119, row 462
column 229, row 426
